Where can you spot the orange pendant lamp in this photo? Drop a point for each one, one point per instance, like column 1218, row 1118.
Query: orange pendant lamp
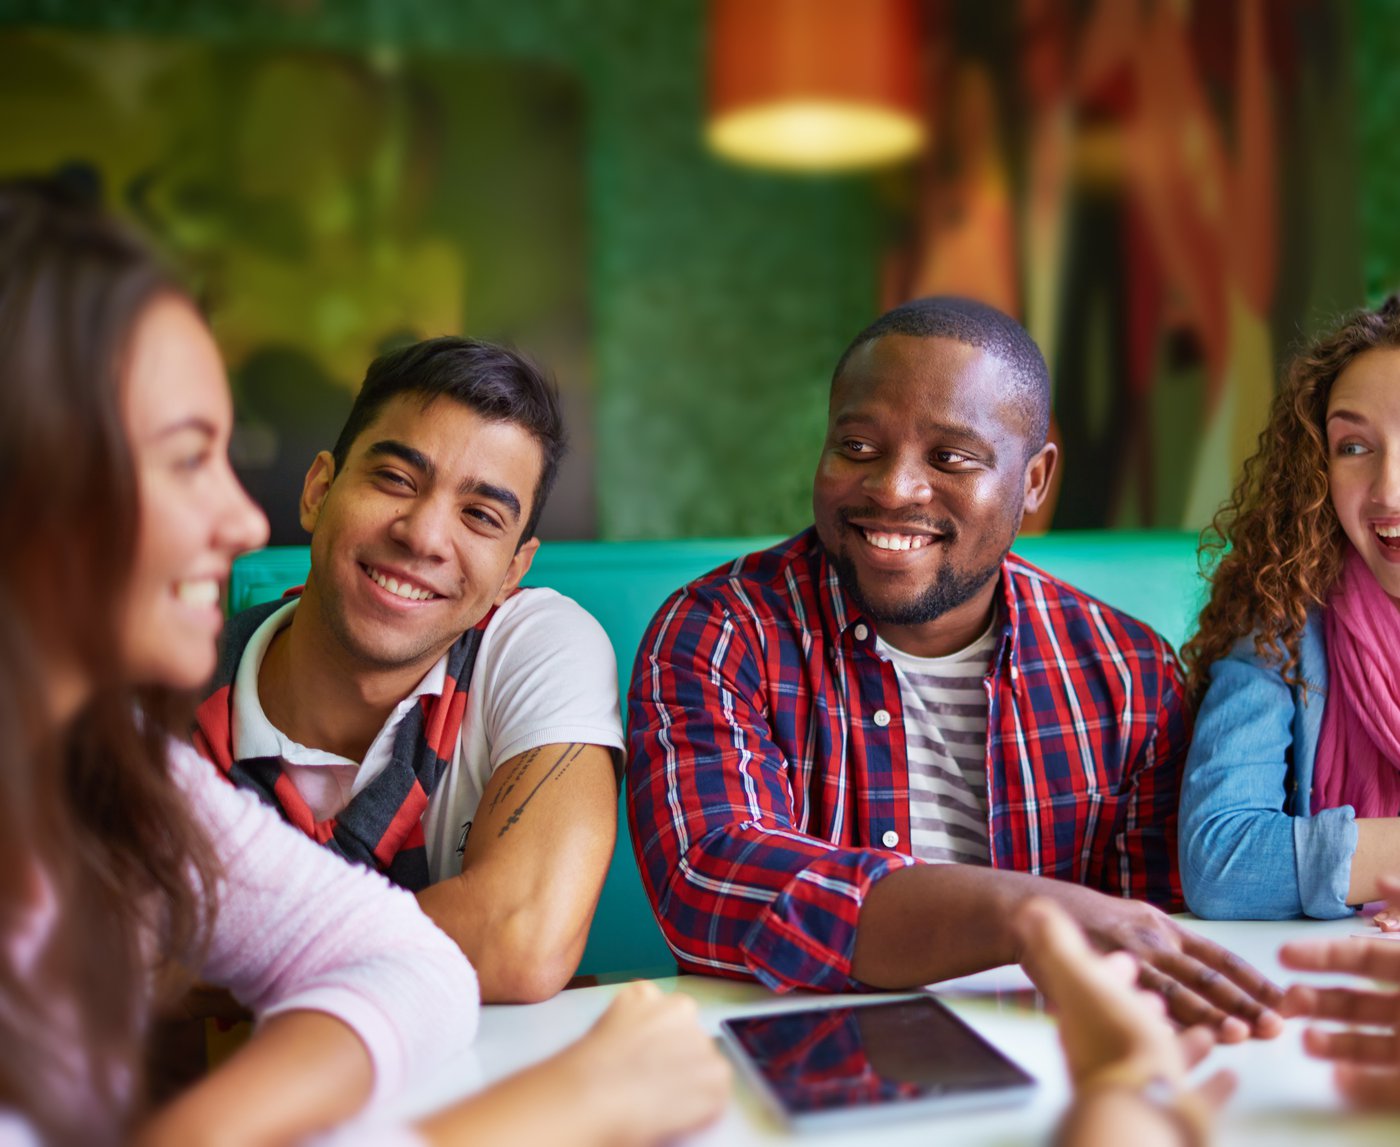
column 814, row 85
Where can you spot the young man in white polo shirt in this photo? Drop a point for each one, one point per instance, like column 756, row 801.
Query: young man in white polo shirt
column 413, row 708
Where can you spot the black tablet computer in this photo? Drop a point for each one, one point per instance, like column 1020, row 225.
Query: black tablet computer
column 846, row 1065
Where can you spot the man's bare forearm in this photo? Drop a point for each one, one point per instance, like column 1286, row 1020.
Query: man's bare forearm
column 931, row 922
column 533, row 866
column 928, row 923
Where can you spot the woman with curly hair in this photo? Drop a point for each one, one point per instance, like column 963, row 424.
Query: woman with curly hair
column 1290, row 804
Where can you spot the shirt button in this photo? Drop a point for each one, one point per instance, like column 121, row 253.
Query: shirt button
column 862, row 632
column 882, row 717
column 890, row 839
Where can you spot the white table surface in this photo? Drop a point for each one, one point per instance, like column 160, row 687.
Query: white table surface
column 1284, row 1097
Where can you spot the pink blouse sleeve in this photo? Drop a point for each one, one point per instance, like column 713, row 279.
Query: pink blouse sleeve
column 298, row 928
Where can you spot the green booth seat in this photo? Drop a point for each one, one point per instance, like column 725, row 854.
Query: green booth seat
column 1151, row 575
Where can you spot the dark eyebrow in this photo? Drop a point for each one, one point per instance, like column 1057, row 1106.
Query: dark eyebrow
column 496, row 493
column 1348, row 416
column 952, row 429
column 851, row 418
column 405, row 453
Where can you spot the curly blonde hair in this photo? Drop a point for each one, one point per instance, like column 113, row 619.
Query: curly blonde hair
column 1274, row 550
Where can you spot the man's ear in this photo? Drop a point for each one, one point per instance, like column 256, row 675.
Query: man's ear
column 518, row 568
column 1039, row 471
column 315, row 488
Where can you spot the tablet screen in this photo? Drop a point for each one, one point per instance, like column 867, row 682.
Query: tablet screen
column 911, row 1051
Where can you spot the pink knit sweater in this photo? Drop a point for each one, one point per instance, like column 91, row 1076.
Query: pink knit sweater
column 300, row 929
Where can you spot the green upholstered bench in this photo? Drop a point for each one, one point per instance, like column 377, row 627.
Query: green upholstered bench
column 1150, row 575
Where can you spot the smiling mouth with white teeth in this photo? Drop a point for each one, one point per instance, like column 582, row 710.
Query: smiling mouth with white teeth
column 406, row 590
column 198, row 592
column 883, row 540
column 1389, row 536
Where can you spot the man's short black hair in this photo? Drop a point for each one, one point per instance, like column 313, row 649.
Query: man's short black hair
column 500, row 384
column 978, row 325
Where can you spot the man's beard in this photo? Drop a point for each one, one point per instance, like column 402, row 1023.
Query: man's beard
column 949, row 589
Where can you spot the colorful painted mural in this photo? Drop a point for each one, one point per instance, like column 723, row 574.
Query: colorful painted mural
column 718, row 298
column 1160, row 192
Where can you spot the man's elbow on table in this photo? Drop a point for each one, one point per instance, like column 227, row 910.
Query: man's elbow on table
column 522, row 954
column 525, row 959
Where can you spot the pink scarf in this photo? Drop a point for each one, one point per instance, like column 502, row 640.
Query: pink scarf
column 1358, row 754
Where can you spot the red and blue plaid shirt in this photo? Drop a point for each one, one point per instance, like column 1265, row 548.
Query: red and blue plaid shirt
column 768, row 788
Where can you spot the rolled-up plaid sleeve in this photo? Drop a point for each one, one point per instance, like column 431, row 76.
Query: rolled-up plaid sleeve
column 738, row 886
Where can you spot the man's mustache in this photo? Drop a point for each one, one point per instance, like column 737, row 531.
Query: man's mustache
column 849, row 514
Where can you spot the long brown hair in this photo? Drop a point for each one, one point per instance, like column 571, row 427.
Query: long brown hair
column 90, row 819
column 1275, row 548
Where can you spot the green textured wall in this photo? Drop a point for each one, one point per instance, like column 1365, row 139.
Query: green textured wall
column 721, row 298
column 1378, row 104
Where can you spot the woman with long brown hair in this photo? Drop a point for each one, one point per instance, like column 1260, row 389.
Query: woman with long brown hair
column 1290, row 803
column 125, row 862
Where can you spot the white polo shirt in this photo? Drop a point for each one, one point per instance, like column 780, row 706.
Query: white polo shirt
column 545, row 673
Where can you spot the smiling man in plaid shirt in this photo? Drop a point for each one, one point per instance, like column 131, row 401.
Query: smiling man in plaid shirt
column 854, row 754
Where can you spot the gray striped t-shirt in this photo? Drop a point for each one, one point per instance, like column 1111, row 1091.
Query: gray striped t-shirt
column 945, row 736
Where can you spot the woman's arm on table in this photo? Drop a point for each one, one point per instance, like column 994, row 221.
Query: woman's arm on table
column 645, row 1072
column 353, row 987
column 1244, row 856
column 1377, row 855
column 302, row 1072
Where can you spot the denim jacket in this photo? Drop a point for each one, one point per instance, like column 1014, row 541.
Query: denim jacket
column 1250, row 846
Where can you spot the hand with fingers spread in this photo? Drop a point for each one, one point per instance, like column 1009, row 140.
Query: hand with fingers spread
column 1367, row 1050
column 1201, row 982
column 1128, row 1066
